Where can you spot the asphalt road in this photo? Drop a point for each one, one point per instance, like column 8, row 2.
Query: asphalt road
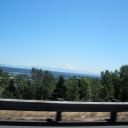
column 50, row 124
column 64, row 127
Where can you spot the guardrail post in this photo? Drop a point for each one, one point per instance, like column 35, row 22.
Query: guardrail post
column 58, row 114
column 114, row 114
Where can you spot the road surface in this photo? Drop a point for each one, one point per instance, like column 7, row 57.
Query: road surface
column 64, row 127
column 50, row 124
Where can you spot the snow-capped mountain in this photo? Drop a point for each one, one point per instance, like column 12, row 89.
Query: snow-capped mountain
column 66, row 66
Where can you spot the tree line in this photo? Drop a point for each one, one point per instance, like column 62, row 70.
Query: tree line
column 44, row 86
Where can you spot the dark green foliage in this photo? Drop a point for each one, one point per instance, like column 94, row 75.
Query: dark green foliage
column 10, row 90
column 124, row 82
column 44, row 82
column 49, row 85
column 96, row 90
column 20, row 84
column 72, row 89
column 108, row 88
column 4, row 78
column 60, row 89
column 29, row 90
column 43, row 86
column 116, row 83
column 84, row 84
column 37, row 80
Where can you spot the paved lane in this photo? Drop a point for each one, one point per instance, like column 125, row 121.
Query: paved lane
column 35, row 124
column 64, row 127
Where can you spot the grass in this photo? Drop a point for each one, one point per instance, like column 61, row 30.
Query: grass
column 66, row 116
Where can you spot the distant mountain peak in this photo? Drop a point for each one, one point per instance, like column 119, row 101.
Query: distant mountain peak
column 66, row 66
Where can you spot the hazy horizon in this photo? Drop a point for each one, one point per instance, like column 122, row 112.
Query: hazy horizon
column 56, row 69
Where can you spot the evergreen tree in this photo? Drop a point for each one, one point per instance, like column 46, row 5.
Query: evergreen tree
column 108, row 88
column 124, row 82
column 117, row 84
column 96, row 87
column 60, row 88
column 72, row 89
column 49, row 85
column 10, row 90
column 84, row 84
column 44, row 82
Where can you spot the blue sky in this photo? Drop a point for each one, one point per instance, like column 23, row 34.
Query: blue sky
column 90, row 35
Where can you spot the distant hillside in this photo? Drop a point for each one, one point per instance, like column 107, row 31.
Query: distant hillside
column 20, row 70
column 55, row 73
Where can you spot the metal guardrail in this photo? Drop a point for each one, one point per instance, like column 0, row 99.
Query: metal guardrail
column 64, row 106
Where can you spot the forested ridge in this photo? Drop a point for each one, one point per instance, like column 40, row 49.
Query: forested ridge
column 43, row 86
